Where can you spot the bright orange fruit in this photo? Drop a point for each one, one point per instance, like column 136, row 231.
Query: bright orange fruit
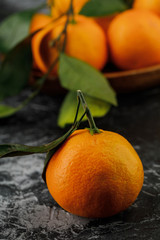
column 85, row 41
column 95, row 176
column 152, row 5
column 133, row 38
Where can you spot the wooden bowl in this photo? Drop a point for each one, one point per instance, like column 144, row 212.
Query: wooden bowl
column 134, row 80
column 121, row 81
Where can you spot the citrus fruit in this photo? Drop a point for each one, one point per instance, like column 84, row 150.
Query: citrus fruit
column 133, row 38
column 152, row 5
column 59, row 7
column 95, row 175
column 85, row 40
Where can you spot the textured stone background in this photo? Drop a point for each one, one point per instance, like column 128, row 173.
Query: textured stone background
column 27, row 211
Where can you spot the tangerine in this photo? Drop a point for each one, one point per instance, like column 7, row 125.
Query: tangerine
column 85, row 40
column 95, row 175
column 133, row 38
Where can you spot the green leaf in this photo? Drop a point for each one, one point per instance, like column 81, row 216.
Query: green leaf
column 75, row 74
column 11, row 150
column 6, row 111
column 14, row 29
column 67, row 112
column 15, row 69
column 99, row 8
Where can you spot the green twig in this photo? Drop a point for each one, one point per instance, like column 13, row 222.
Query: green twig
column 93, row 127
column 70, row 12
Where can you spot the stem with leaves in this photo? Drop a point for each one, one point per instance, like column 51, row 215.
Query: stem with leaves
column 57, row 40
column 11, row 150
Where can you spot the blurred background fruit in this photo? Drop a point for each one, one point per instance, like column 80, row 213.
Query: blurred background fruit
column 85, row 40
column 131, row 42
column 134, row 39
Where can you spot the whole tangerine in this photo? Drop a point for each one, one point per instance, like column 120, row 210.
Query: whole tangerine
column 85, row 40
column 133, row 38
column 95, row 175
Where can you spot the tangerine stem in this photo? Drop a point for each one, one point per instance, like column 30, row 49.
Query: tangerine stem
column 71, row 10
column 93, row 127
column 78, row 105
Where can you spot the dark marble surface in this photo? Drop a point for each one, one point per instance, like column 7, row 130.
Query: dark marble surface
column 27, row 211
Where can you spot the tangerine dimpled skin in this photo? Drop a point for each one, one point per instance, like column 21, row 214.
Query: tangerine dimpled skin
column 95, row 176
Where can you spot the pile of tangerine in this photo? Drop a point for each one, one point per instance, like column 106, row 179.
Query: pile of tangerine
column 130, row 40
